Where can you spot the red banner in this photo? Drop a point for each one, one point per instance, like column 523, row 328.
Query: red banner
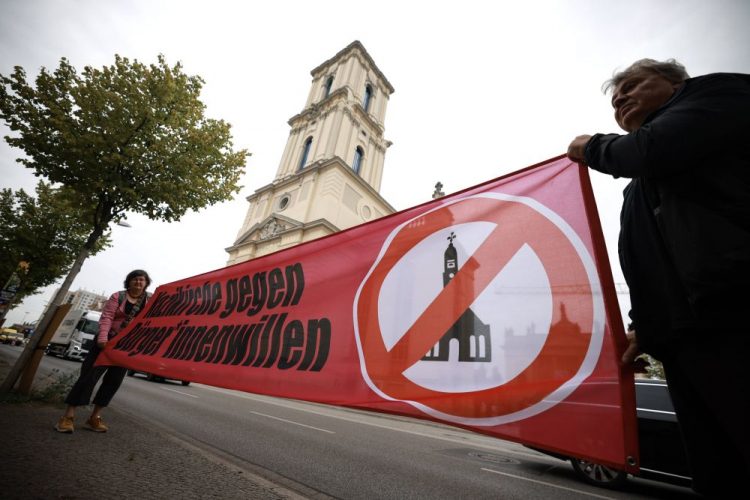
column 492, row 309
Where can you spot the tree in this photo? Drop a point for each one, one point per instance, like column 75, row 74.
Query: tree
column 125, row 138
column 654, row 367
column 45, row 232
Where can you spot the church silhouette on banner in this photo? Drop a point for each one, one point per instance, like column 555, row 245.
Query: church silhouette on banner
column 472, row 334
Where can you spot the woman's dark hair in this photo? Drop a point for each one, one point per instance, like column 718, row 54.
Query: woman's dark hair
column 135, row 274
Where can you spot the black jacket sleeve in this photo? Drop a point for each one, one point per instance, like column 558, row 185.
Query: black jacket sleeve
column 705, row 114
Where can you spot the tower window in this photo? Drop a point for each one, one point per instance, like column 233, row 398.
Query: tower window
column 357, row 163
column 305, row 152
column 329, row 83
column 368, row 98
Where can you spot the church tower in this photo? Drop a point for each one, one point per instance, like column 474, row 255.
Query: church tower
column 332, row 166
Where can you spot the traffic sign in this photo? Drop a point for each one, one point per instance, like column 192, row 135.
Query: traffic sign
column 511, row 225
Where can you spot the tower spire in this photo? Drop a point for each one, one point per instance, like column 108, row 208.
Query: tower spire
column 330, row 172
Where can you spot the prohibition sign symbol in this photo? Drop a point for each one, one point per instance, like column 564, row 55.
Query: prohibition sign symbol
column 571, row 348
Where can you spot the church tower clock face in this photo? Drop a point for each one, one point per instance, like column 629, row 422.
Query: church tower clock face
column 330, row 172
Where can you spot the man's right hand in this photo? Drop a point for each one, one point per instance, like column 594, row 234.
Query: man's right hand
column 632, row 351
column 577, row 149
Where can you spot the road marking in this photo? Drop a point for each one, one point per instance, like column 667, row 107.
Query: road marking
column 665, row 473
column 295, row 423
column 548, row 484
column 178, row 392
column 493, row 447
column 657, row 411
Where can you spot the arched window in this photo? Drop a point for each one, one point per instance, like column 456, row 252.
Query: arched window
column 329, row 82
column 357, row 163
column 368, row 98
column 305, row 152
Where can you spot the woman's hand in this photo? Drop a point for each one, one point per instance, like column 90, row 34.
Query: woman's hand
column 101, row 343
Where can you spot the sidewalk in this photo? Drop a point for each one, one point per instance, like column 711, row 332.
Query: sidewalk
column 131, row 461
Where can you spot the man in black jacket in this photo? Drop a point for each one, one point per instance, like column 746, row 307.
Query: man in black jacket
column 685, row 248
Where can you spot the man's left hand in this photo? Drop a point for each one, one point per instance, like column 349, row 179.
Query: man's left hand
column 577, row 149
column 632, row 351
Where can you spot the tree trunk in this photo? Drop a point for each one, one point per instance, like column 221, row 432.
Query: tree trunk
column 28, row 352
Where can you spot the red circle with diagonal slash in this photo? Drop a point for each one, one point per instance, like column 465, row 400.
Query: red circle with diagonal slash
column 516, row 224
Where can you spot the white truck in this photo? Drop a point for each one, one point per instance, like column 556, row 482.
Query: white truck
column 76, row 335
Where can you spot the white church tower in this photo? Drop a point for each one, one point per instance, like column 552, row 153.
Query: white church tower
column 330, row 173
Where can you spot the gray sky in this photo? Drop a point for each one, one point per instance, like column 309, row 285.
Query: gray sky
column 482, row 89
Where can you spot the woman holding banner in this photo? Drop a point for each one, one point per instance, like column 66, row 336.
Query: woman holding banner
column 120, row 310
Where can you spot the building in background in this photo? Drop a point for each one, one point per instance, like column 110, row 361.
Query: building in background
column 80, row 299
column 330, row 172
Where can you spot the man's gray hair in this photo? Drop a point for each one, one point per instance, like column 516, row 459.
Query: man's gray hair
column 670, row 70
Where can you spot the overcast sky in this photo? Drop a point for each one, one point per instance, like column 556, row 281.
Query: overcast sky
column 482, row 89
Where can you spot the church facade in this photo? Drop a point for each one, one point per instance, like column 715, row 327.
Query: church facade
column 331, row 169
column 471, row 334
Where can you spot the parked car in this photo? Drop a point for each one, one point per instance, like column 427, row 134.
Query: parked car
column 663, row 456
column 153, row 378
column 12, row 337
column 15, row 339
column 4, row 334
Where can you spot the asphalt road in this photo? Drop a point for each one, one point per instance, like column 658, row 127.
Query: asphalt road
column 350, row 454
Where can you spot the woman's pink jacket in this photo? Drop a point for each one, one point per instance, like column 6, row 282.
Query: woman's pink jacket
column 113, row 315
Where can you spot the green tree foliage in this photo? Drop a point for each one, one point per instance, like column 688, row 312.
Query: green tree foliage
column 128, row 137
column 654, row 368
column 46, row 232
column 125, row 138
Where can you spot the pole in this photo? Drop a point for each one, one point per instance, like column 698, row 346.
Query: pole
column 24, row 387
column 25, row 357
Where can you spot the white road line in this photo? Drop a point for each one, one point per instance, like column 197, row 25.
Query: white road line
column 178, row 392
column 665, row 473
column 548, row 484
column 657, row 411
column 493, row 447
column 295, row 423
